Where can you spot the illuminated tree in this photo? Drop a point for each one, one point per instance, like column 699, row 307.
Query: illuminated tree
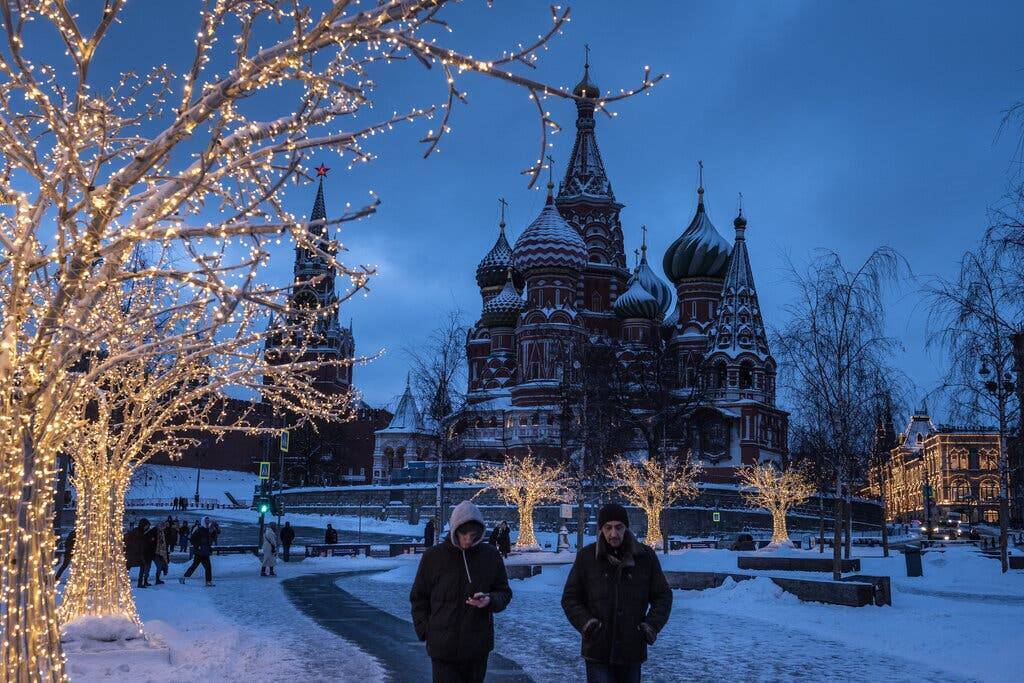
column 524, row 482
column 94, row 164
column 150, row 405
column 776, row 491
column 652, row 485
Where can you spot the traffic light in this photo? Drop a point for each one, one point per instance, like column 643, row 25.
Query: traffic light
column 262, row 504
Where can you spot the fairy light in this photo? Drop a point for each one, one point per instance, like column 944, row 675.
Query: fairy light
column 171, row 161
column 776, row 491
column 653, row 485
column 525, row 482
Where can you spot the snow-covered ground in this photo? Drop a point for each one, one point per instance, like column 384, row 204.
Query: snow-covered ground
column 157, row 485
column 960, row 621
column 242, row 629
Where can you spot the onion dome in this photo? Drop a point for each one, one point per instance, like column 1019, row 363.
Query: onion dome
column 504, row 308
column 700, row 251
column 585, row 88
column 637, row 302
column 549, row 242
column 492, row 269
column 654, row 285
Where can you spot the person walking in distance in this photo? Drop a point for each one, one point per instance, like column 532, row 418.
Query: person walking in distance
column 183, row 536
column 147, row 550
column 161, row 556
column 428, row 533
column 287, row 538
column 65, row 558
column 201, row 550
column 269, row 549
column 504, row 539
column 171, row 536
column 330, row 535
column 617, row 597
column 459, row 585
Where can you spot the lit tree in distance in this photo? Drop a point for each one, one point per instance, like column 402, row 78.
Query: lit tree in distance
column 652, row 485
column 776, row 491
column 93, row 165
column 524, row 482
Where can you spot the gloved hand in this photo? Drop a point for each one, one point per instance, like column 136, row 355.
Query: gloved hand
column 591, row 627
column 648, row 633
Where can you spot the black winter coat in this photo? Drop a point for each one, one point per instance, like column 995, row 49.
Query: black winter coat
column 453, row 630
column 171, row 537
column 330, row 536
column 133, row 547
column 149, row 544
column 202, row 542
column 287, row 535
column 621, row 598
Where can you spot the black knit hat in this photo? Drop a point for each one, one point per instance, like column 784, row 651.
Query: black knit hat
column 612, row 512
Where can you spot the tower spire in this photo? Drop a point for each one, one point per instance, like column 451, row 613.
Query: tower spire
column 551, row 181
column 700, row 182
column 503, row 203
column 643, row 243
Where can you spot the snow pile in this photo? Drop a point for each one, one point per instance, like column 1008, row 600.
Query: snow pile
column 102, row 629
column 157, row 485
column 753, row 591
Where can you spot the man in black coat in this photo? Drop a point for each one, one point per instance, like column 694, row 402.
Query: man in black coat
column 428, row 533
column 459, row 586
column 287, row 537
column 616, row 596
column 202, row 548
column 330, row 535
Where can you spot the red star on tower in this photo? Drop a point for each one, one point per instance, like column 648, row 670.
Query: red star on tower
column 321, row 170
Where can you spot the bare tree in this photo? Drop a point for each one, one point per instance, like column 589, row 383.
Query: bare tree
column 833, row 351
column 973, row 319
column 438, row 375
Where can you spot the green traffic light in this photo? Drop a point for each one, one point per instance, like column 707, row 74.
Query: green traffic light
column 263, row 508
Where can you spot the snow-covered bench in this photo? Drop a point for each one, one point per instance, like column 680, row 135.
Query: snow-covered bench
column 334, row 549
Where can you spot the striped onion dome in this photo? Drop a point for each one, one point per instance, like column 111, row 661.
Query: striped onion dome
column 652, row 283
column 637, row 302
column 549, row 242
column 503, row 309
column 493, row 268
column 700, row 251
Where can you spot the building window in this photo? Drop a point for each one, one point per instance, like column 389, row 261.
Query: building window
column 958, row 458
column 991, row 516
column 960, row 490
column 989, row 490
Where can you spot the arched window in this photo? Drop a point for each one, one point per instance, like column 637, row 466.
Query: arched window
column 595, row 301
column 989, row 490
column 721, row 376
column 746, row 380
column 960, row 490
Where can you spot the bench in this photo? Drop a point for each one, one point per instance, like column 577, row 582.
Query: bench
column 234, row 549
column 336, row 549
column 690, row 545
column 396, row 549
column 523, row 571
column 796, row 564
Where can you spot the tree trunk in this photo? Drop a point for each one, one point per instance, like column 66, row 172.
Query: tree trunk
column 653, row 535
column 837, row 533
column 847, row 526
column 28, row 616
column 885, row 520
column 780, row 534
column 99, row 584
column 526, row 539
column 821, row 522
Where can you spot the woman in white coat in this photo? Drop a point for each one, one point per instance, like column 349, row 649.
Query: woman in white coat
column 269, row 549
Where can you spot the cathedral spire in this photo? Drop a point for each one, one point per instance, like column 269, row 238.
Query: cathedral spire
column 585, row 177
column 738, row 329
column 319, row 212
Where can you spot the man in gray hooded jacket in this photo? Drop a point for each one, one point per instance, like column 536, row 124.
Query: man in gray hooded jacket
column 459, row 586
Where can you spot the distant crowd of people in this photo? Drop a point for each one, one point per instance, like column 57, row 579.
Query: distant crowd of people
column 147, row 547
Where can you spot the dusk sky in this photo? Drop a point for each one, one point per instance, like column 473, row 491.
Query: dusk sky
column 845, row 125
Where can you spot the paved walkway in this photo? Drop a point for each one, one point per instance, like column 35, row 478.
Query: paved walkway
column 984, row 598
column 387, row 638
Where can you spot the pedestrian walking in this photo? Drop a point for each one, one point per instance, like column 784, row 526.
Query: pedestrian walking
column 428, row 533
column 459, row 586
column 616, row 596
column 142, row 547
column 161, row 557
column 202, row 548
column 504, row 539
column 330, row 535
column 171, row 536
column 65, row 558
column 287, row 537
column 183, row 536
column 269, row 549
column 214, row 528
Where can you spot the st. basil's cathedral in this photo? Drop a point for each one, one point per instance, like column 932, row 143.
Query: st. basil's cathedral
column 564, row 285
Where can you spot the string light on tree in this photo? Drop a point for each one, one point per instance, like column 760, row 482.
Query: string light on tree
column 653, row 485
column 525, row 482
column 776, row 491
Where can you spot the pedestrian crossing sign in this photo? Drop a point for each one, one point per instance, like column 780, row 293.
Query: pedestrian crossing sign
column 284, row 441
column 264, row 470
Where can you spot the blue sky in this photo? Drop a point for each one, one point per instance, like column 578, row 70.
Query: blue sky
column 846, row 125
